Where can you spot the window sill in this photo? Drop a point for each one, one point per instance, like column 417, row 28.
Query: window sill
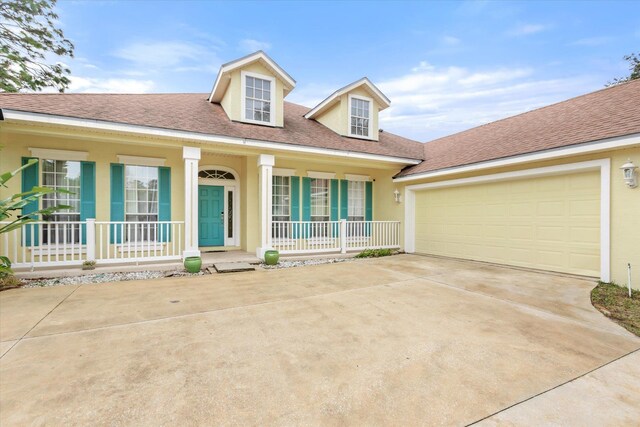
column 258, row 122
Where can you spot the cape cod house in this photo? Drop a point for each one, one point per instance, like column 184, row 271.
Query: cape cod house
column 163, row 176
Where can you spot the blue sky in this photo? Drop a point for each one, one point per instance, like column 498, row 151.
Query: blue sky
column 446, row 66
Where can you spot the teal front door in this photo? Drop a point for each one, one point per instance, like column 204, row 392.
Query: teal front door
column 210, row 215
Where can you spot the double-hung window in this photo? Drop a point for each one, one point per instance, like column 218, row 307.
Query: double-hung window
column 141, row 202
column 356, row 201
column 360, row 117
column 320, row 207
column 258, row 99
column 281, row 206
column 61, row 175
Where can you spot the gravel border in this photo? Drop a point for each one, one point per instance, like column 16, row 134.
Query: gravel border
column 305, row 262
column 94, row 279
column 98, row 278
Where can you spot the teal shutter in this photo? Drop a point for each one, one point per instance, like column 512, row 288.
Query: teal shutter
column 368, row 204
column 334, row 203
column 87, row 194
column 164, row 202
column 29, row 180
column 344, row 199
column 334, row 199
column 117, row 200
column 295, row 204
column 306, row 199
column 306, row 207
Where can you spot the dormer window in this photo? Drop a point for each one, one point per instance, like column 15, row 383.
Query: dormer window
column 359, row 116
column 258, row 98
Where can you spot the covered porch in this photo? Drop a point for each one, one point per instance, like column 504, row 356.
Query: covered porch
column 227, row 207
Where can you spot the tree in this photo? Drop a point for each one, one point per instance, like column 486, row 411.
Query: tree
column 634, row 67
column 28, row 35
column 15, row 203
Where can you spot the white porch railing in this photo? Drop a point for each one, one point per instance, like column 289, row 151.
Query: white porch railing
column 42, row 244
column 290, row 237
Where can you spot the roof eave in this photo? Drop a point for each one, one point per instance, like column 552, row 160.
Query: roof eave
column 219, row 86
column 549, row 154
column 380, row 97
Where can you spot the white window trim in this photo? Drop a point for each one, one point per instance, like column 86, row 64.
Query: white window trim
column 602, row 165
column 364, row 200
column 371, row 105
column 321, row 175
column 243, row 90
column 284, row 172
column 353, row 177
column 141, row 161
column 51, row 154
column 328, row 196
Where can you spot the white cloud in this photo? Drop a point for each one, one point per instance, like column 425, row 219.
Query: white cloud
column 592, row 41
column 110, row 85
column 168, row 54
column 450, row 41
column 252, row 45
column 429, row 102
column 527, row 29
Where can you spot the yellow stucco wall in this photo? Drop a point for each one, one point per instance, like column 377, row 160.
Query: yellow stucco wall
column 625, row 207
column 16, row 145
column 232, row 99
column 337, row 117
column 104, row 149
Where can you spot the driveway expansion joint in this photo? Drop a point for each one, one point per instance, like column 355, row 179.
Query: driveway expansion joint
column 553, row 388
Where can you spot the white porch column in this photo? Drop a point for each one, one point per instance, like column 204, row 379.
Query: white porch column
column 265, row 173
column 191, row 156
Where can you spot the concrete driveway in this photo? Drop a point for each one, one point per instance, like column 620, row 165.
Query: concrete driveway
column 399, row 340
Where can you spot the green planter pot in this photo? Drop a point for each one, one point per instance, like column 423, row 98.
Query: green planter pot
column 193, row 264
column 271, row 257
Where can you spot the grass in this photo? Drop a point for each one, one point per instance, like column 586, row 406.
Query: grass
column 374, row 253
column 614, row 302
column 10, row 282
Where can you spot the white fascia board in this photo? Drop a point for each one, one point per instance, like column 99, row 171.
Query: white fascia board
column 381, row 97
column 519, row 174
column 194, row 136
column 256, row 56
column 585, row 148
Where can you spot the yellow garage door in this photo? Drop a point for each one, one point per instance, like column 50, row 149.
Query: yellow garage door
column 550, row 223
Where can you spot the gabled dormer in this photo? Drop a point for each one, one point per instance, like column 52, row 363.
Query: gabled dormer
column 252, row 90
column 353, row 110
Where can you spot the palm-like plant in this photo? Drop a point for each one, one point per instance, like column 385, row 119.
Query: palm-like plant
column 18, row 201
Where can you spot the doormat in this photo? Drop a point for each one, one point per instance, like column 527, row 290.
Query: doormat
column 233, row 267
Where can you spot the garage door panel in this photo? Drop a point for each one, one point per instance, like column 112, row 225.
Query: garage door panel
column 550, row 222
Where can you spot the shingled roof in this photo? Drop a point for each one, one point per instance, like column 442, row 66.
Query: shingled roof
column 192, row 113
column 603, row 114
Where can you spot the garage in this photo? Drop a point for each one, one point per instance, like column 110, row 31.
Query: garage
column 550, row 221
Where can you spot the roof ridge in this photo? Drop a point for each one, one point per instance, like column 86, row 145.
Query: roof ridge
column 538, row 109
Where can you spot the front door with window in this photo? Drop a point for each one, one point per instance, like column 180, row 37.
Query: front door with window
column 210, row 215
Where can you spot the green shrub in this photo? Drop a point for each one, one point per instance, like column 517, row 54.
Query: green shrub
column 374, row 253
column 9, row 282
